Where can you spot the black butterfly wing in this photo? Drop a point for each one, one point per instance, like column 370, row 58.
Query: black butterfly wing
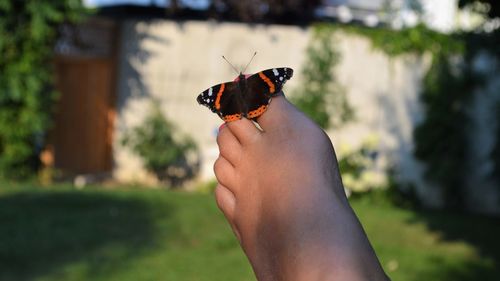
column 262, row 86
column 222, row 100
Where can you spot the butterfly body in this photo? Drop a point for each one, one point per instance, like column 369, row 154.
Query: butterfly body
column 247, row 96
column 240, row 98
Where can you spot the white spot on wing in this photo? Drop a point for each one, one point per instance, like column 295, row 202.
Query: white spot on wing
column 275, row 71
column 210, row 91
column 281, row 78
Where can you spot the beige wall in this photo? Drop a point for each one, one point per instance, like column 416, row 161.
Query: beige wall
column 173, row 62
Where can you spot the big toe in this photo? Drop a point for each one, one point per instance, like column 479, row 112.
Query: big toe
column 282, row 113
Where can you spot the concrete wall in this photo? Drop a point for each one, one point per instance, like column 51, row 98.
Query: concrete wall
column 173, row 62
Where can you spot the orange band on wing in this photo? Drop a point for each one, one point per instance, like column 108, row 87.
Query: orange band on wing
column 219, row 94
column 268, row 82
column 230, row 118
column 257, row 112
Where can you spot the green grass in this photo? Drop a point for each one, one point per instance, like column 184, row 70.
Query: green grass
column 432, row 245
column 142, row 234
column 133, row 234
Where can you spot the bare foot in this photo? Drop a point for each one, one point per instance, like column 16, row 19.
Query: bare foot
column 281, row 192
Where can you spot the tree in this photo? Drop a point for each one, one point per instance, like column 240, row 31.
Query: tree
column 28, row 30
column 164, row 152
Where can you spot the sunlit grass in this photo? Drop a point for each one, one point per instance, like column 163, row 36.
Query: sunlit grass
column 142, row 234
column 427, row 245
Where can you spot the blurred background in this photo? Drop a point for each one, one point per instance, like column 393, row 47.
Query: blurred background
column 106, row 158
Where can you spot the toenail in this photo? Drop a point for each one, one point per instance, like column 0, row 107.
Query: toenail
column 222, row 126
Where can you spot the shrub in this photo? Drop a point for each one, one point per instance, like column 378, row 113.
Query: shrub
column 358, row 167
column 322, row 98
column 171, row 157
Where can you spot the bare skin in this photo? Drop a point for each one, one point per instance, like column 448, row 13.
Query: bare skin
column 282, row 194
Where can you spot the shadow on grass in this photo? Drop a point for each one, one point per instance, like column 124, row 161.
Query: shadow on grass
column 480, row 232
column 41, row 233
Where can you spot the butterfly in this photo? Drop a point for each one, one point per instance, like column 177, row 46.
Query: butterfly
column 246, row 97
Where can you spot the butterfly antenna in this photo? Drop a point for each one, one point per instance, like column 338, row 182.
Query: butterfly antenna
column 231, row 65
column 249, row 62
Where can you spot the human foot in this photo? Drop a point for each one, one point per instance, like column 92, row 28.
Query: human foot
column 281, row 192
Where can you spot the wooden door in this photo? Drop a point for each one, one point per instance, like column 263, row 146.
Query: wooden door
column 82, row 135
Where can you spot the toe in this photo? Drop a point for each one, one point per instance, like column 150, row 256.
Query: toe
column 225, row 172
column 282, row 114
column 226, row 202
column 229, row 146
column 244, row 130
column 276, row 114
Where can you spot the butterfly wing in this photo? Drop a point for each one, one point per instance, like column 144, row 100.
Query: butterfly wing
column 222, row 100
column 262, row 86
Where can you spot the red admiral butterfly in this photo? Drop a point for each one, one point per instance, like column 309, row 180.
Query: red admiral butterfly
column 246, row 97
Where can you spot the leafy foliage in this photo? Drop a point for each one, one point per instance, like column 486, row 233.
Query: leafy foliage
column 167, row 155
column 416, row 40
column 440, row 139
column 358, row 167
column 27, row 35
column 322, row 98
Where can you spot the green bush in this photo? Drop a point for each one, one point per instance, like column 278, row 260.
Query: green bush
column 440, row 139
column 28, row 30
column 172, row 158
column 322, row 98
column 359, row 168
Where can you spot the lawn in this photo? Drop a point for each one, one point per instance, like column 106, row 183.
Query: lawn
column 143, row 234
